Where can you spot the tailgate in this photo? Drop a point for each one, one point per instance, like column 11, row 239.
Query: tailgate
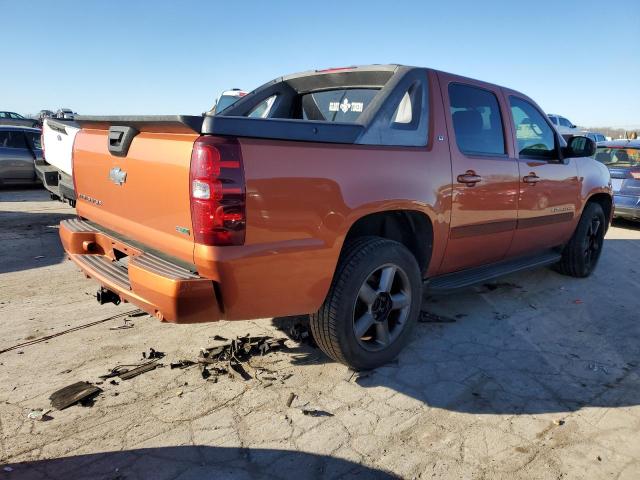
column 58, row 140
column 141, row 192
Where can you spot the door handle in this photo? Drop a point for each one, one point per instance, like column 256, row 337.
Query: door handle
column 469, row 178
column 532, row 178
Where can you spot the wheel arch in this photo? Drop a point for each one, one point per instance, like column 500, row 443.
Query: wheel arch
column 412, row 228
column 606, row 202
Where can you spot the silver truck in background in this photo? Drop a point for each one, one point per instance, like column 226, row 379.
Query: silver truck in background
column 55, row 169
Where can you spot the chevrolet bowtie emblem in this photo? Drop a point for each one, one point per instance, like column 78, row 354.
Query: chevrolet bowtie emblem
column 117, row 176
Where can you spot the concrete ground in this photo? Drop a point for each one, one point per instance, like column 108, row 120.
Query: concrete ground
column 537, row 378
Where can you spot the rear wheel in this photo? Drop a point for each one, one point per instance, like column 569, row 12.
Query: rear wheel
column 372, row 306
column 581, row 254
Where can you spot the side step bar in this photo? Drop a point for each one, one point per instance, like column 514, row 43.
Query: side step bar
column 466, row 278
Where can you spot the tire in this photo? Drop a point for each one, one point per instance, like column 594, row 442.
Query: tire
column 580, row 256
column 392, row 296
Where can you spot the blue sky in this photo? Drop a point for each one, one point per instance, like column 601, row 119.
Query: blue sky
column 577, row 58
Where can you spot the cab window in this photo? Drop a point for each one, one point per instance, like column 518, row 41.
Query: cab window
column 477, row 122
column 534, row 135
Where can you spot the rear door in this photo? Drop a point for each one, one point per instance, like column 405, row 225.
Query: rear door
column 549, row 187
column 485, row 174
column 16, row 159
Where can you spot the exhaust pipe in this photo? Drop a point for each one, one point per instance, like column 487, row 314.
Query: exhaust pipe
column 104, row 295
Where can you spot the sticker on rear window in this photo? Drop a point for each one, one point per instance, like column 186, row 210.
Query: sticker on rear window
column 345, row 106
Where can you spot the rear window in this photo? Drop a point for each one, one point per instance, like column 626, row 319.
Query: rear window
column 12, row 139
column 342, row 105
column 618, row 157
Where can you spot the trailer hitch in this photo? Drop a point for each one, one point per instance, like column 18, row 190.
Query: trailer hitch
column 104, row 295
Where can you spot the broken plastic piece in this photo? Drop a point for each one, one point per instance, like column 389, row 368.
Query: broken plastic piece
column 74, row 393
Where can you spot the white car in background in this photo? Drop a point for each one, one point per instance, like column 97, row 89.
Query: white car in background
column 563, row 125
column 228, row 98
column 55, row 169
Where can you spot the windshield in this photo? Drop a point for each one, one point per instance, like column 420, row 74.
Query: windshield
column 618, row 157
column 225, row 101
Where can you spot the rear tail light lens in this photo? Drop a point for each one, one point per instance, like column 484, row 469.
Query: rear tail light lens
column 42, row 144
column 218, row 194
column 635, row 174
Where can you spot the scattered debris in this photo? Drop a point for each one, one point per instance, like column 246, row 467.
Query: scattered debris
column 152, row 354
column 181, row 364
column 39, row 414
column 500, row 316
column 292, row 397
column 429, row 317
column 599, row 458
column 147, row 367
column 577, row 301
column 8, row 469
column 316, row 413
column 234, row 353
column 72, row 394
column 38, row 257
column 558, row 422
column 179, row 393
column 126, row 325
column 220, row 338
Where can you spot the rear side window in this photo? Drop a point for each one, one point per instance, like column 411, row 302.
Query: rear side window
column 476, row 120
column 554, row 120
column 12, row 139
column 34, row 139
column 534, row 135
column 344, row 105
column 263, row 109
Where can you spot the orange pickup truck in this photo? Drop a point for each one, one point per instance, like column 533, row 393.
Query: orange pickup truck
column 342, row 193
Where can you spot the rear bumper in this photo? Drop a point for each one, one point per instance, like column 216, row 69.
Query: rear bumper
column 58, row 183
column 627, row 207
column 164, row 289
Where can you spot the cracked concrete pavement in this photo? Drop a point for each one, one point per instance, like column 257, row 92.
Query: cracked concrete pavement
column 536, row 378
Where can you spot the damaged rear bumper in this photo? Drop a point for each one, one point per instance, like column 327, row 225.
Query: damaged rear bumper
column 169, row 291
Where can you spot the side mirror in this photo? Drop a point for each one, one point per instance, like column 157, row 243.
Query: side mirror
column 580, row 146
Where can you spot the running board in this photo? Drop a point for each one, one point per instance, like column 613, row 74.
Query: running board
column 472, row 276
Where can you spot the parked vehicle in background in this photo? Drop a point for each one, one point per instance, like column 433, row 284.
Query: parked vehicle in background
column 19, row 148
column 12, row 118
column 65, row 114
column 55, row 167
column 228, row 98
column 42, row 114
column 622, row 158
column 339, row 193
column 595, row 136
column 565, row 127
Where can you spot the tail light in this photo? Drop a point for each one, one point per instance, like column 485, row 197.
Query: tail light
column 635, row 174
column 218, row 193
column 42, row 144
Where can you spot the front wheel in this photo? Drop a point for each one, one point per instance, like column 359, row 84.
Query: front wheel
column 580, row 256
column 372, row 305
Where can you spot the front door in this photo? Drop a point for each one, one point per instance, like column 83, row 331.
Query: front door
column 485, row 174
column 549, row 186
